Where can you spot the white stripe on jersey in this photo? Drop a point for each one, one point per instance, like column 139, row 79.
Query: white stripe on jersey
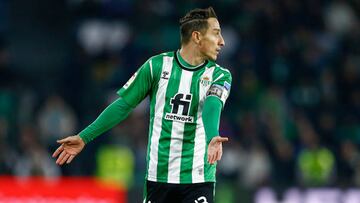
column 224, row 69
column 200, row 138
column 177, row 133
column 220, row 76
column 151, row 70
column 159, row 110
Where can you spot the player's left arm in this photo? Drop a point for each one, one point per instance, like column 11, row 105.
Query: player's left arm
column 214, row 103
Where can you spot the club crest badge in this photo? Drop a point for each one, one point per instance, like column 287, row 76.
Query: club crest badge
column 205, row 81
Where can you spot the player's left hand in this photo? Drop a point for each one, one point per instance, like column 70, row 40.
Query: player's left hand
column 215, row 149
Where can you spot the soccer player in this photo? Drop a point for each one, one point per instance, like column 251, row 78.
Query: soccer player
column 187, row 92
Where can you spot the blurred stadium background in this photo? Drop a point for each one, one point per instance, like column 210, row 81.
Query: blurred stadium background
column 292, row 117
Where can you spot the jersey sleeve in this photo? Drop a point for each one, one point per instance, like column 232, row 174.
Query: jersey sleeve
column 138, row 86
column 221, row 86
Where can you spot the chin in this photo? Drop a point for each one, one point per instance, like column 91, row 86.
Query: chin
column 211, row 58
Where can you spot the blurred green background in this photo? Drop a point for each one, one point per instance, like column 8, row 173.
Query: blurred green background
column 292, row 116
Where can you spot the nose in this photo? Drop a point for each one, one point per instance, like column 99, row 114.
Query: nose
column 222, row 41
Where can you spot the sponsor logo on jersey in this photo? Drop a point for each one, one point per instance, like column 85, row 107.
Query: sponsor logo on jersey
column 201, row 199
column 205, row 81
column 180, row 118
column 201, row 171
column 165, row 75
column 178, row 102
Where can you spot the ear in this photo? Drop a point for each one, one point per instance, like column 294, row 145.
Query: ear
column 196, row 37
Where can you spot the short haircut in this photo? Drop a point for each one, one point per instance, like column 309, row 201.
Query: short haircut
column 195, row 20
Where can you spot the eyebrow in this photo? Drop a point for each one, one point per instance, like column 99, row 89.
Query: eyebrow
column 217, row 29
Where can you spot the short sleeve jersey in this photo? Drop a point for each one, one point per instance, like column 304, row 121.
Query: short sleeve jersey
column 177, row 144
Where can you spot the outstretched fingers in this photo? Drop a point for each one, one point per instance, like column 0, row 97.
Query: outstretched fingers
column 215, row 149
column 217, row 155
column 58, row 150
column 70, row 159
column 64, row 159
column 62, row 141
column 210, row 158
column 220, row 154
column 60, row 158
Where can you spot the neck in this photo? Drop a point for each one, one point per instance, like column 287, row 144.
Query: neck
column 191, row 55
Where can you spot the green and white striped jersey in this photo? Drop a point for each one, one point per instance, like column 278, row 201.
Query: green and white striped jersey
column 177, row 142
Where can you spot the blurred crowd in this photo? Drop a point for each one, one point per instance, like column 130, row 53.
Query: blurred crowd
column 293, row 117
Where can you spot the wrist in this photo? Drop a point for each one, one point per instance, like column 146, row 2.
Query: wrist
column 211, row 137
column 83, row 137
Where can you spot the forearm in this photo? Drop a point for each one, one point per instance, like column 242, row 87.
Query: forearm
column 112, row 115
column 211, row 117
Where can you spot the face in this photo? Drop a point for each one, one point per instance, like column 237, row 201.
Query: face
column 211, row 41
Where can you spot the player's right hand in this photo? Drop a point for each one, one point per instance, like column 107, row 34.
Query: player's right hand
column 69, row 148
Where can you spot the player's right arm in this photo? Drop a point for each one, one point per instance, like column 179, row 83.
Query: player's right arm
column 132, row 93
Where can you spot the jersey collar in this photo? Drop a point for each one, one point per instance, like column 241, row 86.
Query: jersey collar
column 185, row 65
